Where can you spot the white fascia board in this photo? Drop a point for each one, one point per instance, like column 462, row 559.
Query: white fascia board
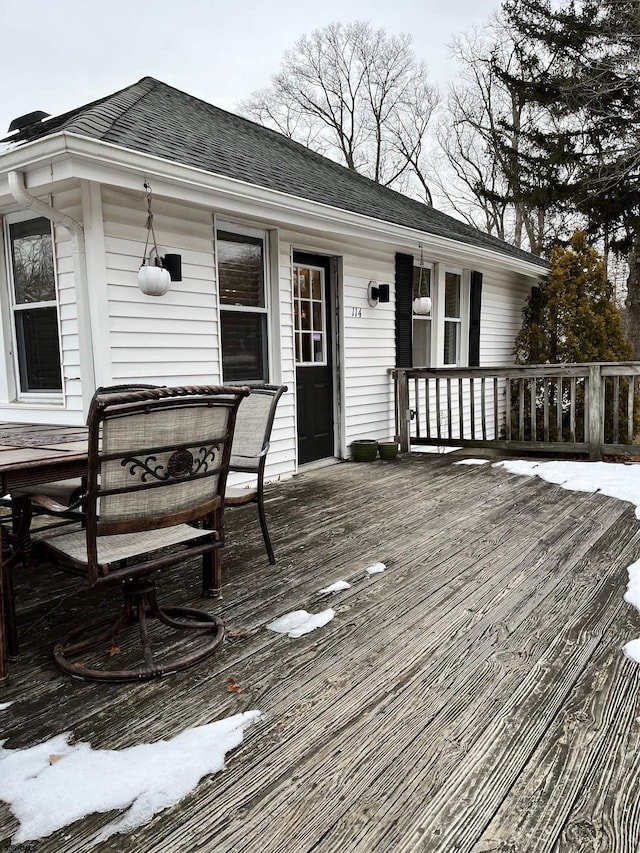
column 50, row 159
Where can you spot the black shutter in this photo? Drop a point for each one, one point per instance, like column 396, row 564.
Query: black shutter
column 404, row 310
column 474, row 319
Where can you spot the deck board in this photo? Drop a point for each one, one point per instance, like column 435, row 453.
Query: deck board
column 471, row 698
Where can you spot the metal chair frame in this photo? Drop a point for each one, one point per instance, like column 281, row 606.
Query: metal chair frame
column 176, row 485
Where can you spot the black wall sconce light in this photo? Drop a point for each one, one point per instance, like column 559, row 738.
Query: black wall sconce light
column 173, row 263
column 377, row 293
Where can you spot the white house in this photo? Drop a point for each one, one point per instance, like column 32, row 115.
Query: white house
column 281, row 253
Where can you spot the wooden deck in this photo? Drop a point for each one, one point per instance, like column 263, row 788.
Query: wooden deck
column 471, row 698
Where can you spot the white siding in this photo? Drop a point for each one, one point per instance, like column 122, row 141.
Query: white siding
column 173, row 339
column 503, row 298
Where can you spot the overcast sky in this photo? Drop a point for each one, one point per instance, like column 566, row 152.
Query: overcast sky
column 60, row 54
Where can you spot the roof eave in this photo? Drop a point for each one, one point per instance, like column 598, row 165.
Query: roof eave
column 281, row 206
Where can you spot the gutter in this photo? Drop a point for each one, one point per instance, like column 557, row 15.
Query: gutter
column 18, row 190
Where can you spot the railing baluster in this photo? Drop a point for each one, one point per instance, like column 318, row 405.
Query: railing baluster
column 572, row 411
column 521, row 412
column 416, row 398
column 461, row 407
column 427, row 406
column 534, row 408
column 472, row 399
column 508, row 409
column 449, row 419
column 559, row 409
column 616, row 408
column 546, row 385
column 438, row 427
column 483, row 403
column 630, row 401
column 496, row 431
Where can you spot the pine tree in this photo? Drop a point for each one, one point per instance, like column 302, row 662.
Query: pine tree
column 573, row 317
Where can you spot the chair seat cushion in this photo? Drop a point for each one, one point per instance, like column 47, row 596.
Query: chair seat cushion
column 61, row 491
column 237, row 496
column 122, row 546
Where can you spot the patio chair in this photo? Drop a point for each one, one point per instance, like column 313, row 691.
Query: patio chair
column 60, row 499
column 251, row 441
column 158, row 462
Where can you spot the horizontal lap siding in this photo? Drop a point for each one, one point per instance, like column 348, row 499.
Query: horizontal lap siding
column 171, row 339
column 503, row 298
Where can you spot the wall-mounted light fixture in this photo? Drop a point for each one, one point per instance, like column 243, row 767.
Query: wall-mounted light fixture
column 159, row 269
column 377, row 293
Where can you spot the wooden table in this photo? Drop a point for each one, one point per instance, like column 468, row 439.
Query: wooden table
column 31, row 454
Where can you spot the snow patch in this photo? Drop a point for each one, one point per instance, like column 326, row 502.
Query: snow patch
column 338, row 586
column 375, row 569
column 299, row 622
column 5, row 705
column 52, row 784
column 608, row 478
column 471, row 462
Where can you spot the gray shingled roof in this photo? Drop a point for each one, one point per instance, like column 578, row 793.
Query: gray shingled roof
column 155, row 118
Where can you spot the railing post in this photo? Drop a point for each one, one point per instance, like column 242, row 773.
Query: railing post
column 403, row 417
column 595, row 415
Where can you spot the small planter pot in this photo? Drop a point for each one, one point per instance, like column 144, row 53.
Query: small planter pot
column 388, row 449
column 364, row 450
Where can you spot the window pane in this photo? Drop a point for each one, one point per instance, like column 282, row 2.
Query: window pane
column 451, row 343
column 240, row 270
column 452, row 295
column 38, row 349
column 421, row 342
column 421, row 281
column 32, row 255
column 244, row 346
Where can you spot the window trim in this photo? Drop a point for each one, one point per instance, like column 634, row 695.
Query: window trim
column 455, row 321
column 25, row 396
column 263, row 235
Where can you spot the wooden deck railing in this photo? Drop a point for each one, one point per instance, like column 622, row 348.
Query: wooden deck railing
column 584, row 409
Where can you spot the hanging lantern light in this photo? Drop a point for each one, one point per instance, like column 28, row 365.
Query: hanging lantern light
column 422, row 302
column 153, row 278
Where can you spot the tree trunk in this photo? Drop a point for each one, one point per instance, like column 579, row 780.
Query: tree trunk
column 632, row 304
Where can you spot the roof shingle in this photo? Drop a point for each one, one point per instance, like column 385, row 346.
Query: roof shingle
column 157, row 119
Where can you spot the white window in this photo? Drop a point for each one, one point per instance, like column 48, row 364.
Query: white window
column 422, row 322
column 241, row 259
column 34, row 307
column 452, row 316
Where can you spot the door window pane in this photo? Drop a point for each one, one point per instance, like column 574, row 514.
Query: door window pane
column 309, row 315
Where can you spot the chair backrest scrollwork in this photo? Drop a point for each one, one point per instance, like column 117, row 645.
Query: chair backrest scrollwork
column 158, row 457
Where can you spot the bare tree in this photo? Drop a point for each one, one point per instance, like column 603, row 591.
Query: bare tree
column 356, row 95
column 484, row 136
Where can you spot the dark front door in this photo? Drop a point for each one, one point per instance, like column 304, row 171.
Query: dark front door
column 314, row 360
